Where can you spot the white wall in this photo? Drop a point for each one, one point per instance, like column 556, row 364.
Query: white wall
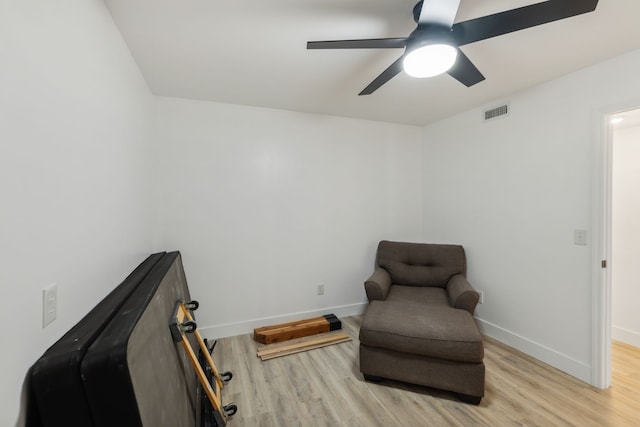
column 626, row 235
column 74, row 167
column 266, row 204
column 512, row 191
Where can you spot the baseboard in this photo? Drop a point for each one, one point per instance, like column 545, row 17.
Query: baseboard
column 625, row 335
column 565, row 363
column 247, row 326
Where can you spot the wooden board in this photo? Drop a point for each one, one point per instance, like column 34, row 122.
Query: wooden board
column 310, row 344
column 297, row 329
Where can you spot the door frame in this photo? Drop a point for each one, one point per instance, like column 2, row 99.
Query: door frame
column 601, row 250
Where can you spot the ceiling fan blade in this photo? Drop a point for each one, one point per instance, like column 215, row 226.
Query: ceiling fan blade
column 386, row 75
column 464, row 71
column 441, row 12
column 518, row 19
column 359, row 44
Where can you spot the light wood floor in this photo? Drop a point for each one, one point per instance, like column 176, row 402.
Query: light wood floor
column 324, row 387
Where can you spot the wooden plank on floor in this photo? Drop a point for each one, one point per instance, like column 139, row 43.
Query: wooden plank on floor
column 329, row 339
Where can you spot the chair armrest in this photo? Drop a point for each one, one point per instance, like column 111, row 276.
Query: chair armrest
column 461, row 293
column 377, row 286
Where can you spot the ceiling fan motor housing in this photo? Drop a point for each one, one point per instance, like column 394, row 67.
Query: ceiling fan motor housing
column 428, row 34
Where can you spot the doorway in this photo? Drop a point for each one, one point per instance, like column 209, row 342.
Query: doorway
column 616, row 230
column 625, row 229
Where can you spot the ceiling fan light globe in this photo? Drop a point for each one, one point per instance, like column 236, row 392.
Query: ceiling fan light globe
column 429, row 60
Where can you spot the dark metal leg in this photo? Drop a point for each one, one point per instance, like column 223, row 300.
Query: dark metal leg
column 372, row 378
column 473, row 400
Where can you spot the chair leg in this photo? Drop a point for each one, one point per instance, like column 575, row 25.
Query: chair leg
column 372, row 378
column 466, row 398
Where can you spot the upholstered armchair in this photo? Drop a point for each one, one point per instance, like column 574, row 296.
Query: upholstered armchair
column 418, row 326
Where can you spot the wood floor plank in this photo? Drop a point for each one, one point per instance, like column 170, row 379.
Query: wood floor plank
column 325, row 387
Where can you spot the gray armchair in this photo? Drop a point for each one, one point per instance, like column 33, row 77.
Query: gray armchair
column 418, row 326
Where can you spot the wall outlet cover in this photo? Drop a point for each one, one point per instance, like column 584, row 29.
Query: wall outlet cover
column 580, row 237
column 49, row 304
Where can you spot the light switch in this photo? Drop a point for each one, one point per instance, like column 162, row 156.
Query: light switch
column 580, row 237
column 49, row 304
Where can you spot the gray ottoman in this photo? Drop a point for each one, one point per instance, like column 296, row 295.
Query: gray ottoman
column 438, row 347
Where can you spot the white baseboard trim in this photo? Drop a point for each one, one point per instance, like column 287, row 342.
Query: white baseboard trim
column 565, row 363
column 247, row 326
column 625, row 335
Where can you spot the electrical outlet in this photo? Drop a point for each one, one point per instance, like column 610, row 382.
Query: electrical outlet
column 481, row 300
column 320, row 289
column 49, row 304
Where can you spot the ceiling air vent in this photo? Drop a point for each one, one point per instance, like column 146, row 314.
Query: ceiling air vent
column 494, row 113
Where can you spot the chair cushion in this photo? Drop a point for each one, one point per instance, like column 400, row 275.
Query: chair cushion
column 428, row 295
column 421, row 264
column 435, row 331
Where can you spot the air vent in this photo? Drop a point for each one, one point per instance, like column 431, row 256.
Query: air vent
column 494, row 113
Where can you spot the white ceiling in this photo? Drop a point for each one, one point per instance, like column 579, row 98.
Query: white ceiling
column 253, row 52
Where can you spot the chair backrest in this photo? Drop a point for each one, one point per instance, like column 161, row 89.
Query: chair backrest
column 421, row 264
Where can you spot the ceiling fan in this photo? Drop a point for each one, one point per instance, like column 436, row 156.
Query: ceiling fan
column 434, row 46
